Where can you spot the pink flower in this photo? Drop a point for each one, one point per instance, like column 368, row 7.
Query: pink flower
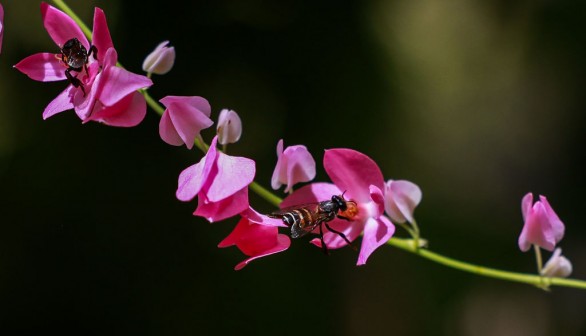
column 557, row 265
column 295, row 164
column 1, row 26
column 359, row 177
column 256, row 236
column 220, row 183
column 183, row 119
column 229, row 127
column 542, row 226
column 401, row 198
column 107, row 93
column 161, row 60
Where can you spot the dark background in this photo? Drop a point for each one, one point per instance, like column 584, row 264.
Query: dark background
column 477, row 102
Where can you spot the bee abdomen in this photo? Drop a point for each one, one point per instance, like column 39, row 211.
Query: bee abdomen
column 301, row 217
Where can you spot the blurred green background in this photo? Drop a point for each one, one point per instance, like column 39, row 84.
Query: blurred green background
column 478, row 102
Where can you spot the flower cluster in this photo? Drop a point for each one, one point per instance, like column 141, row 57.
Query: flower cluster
column 357, row 202
column 98, row 89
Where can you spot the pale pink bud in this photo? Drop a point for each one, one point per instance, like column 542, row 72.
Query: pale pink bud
column 161, row 60
column 295, row 164
column 229, row 127
column 542, row 226
column 557, row 265
column 401, row 198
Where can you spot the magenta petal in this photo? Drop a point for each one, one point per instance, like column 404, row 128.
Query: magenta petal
column 557, row 226
column 233, row 174
column 300, row 166
column 191, row 180
column 315, row 192
column 128, row 112
column 101, row 34
column 257, row 218
column 226, row 208
column 376, row 233
column 199, row 103
column 537, row 230
column 121, row 83
column 44, row 67
column 283, row 243
column 351, row 230
column 526, row 205
column 60, row 26
column 167, row 130
column 61, row 103
column 188, row 122
column 401, row 198
column 1, row 26
column 353, row 172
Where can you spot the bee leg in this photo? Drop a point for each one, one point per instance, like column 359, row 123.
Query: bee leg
column 343, row 237
column 321, row 237
column 344, row 218
column 94, row 51
column 74, row 81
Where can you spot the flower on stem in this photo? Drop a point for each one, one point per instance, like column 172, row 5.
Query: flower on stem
column 105, row 92
column 229, row 127
column 220, row 182
column 294, row 164
column 401, row 198
column 1, row 26
column 542, row 226
column 183, row 119
column 161, row 60
column 557, row 265
column 360, row 179
column 256, row 236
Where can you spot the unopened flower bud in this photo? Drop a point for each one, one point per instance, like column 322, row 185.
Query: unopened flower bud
column 229, row 127
column 294, row 164
column 401, row 198
column 161, row 60
column 557, row 265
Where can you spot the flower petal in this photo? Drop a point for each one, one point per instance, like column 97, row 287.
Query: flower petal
column 401, row 198
column 226, row 208
column 351, row 230
column 537, row 230
column 557, row 225
column 353, row 172
column 1, row 26
column 119, row 83
column 44, row 67
column 376, row 233
column 128, row 112
column 199, row 103
column 254, row 217
column 279, row 174
column 233, row 173
column 283, row 243
column 101, row 34
column 168, row 132
column 526, row 205
column 63, row 102
column 300, row 166
column 188, row 122
column 315, row 192
column 60, row 26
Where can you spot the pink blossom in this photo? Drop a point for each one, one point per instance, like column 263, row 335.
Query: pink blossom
column 256, row 236
column 557, row 265
column 361, row 180
column 1, row 26
column 161, row 60
column 294, row 164
column 229, row 127
column 401, row 198
column 542, row 226
column 107, row 93
column 183, row 119
column 220, row 183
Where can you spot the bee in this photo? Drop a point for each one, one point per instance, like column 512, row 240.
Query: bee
column 305, row 218
column 75, row 56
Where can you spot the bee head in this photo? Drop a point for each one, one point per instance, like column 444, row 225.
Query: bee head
column 339, row 201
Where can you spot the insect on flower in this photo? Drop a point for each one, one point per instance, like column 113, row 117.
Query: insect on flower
column 75, row 56
column 304, row 218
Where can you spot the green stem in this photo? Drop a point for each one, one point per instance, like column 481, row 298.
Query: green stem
column 152, row 103
column 536, row 280
column 265, row 193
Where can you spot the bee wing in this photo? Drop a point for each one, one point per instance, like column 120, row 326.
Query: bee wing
column 281, row 212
